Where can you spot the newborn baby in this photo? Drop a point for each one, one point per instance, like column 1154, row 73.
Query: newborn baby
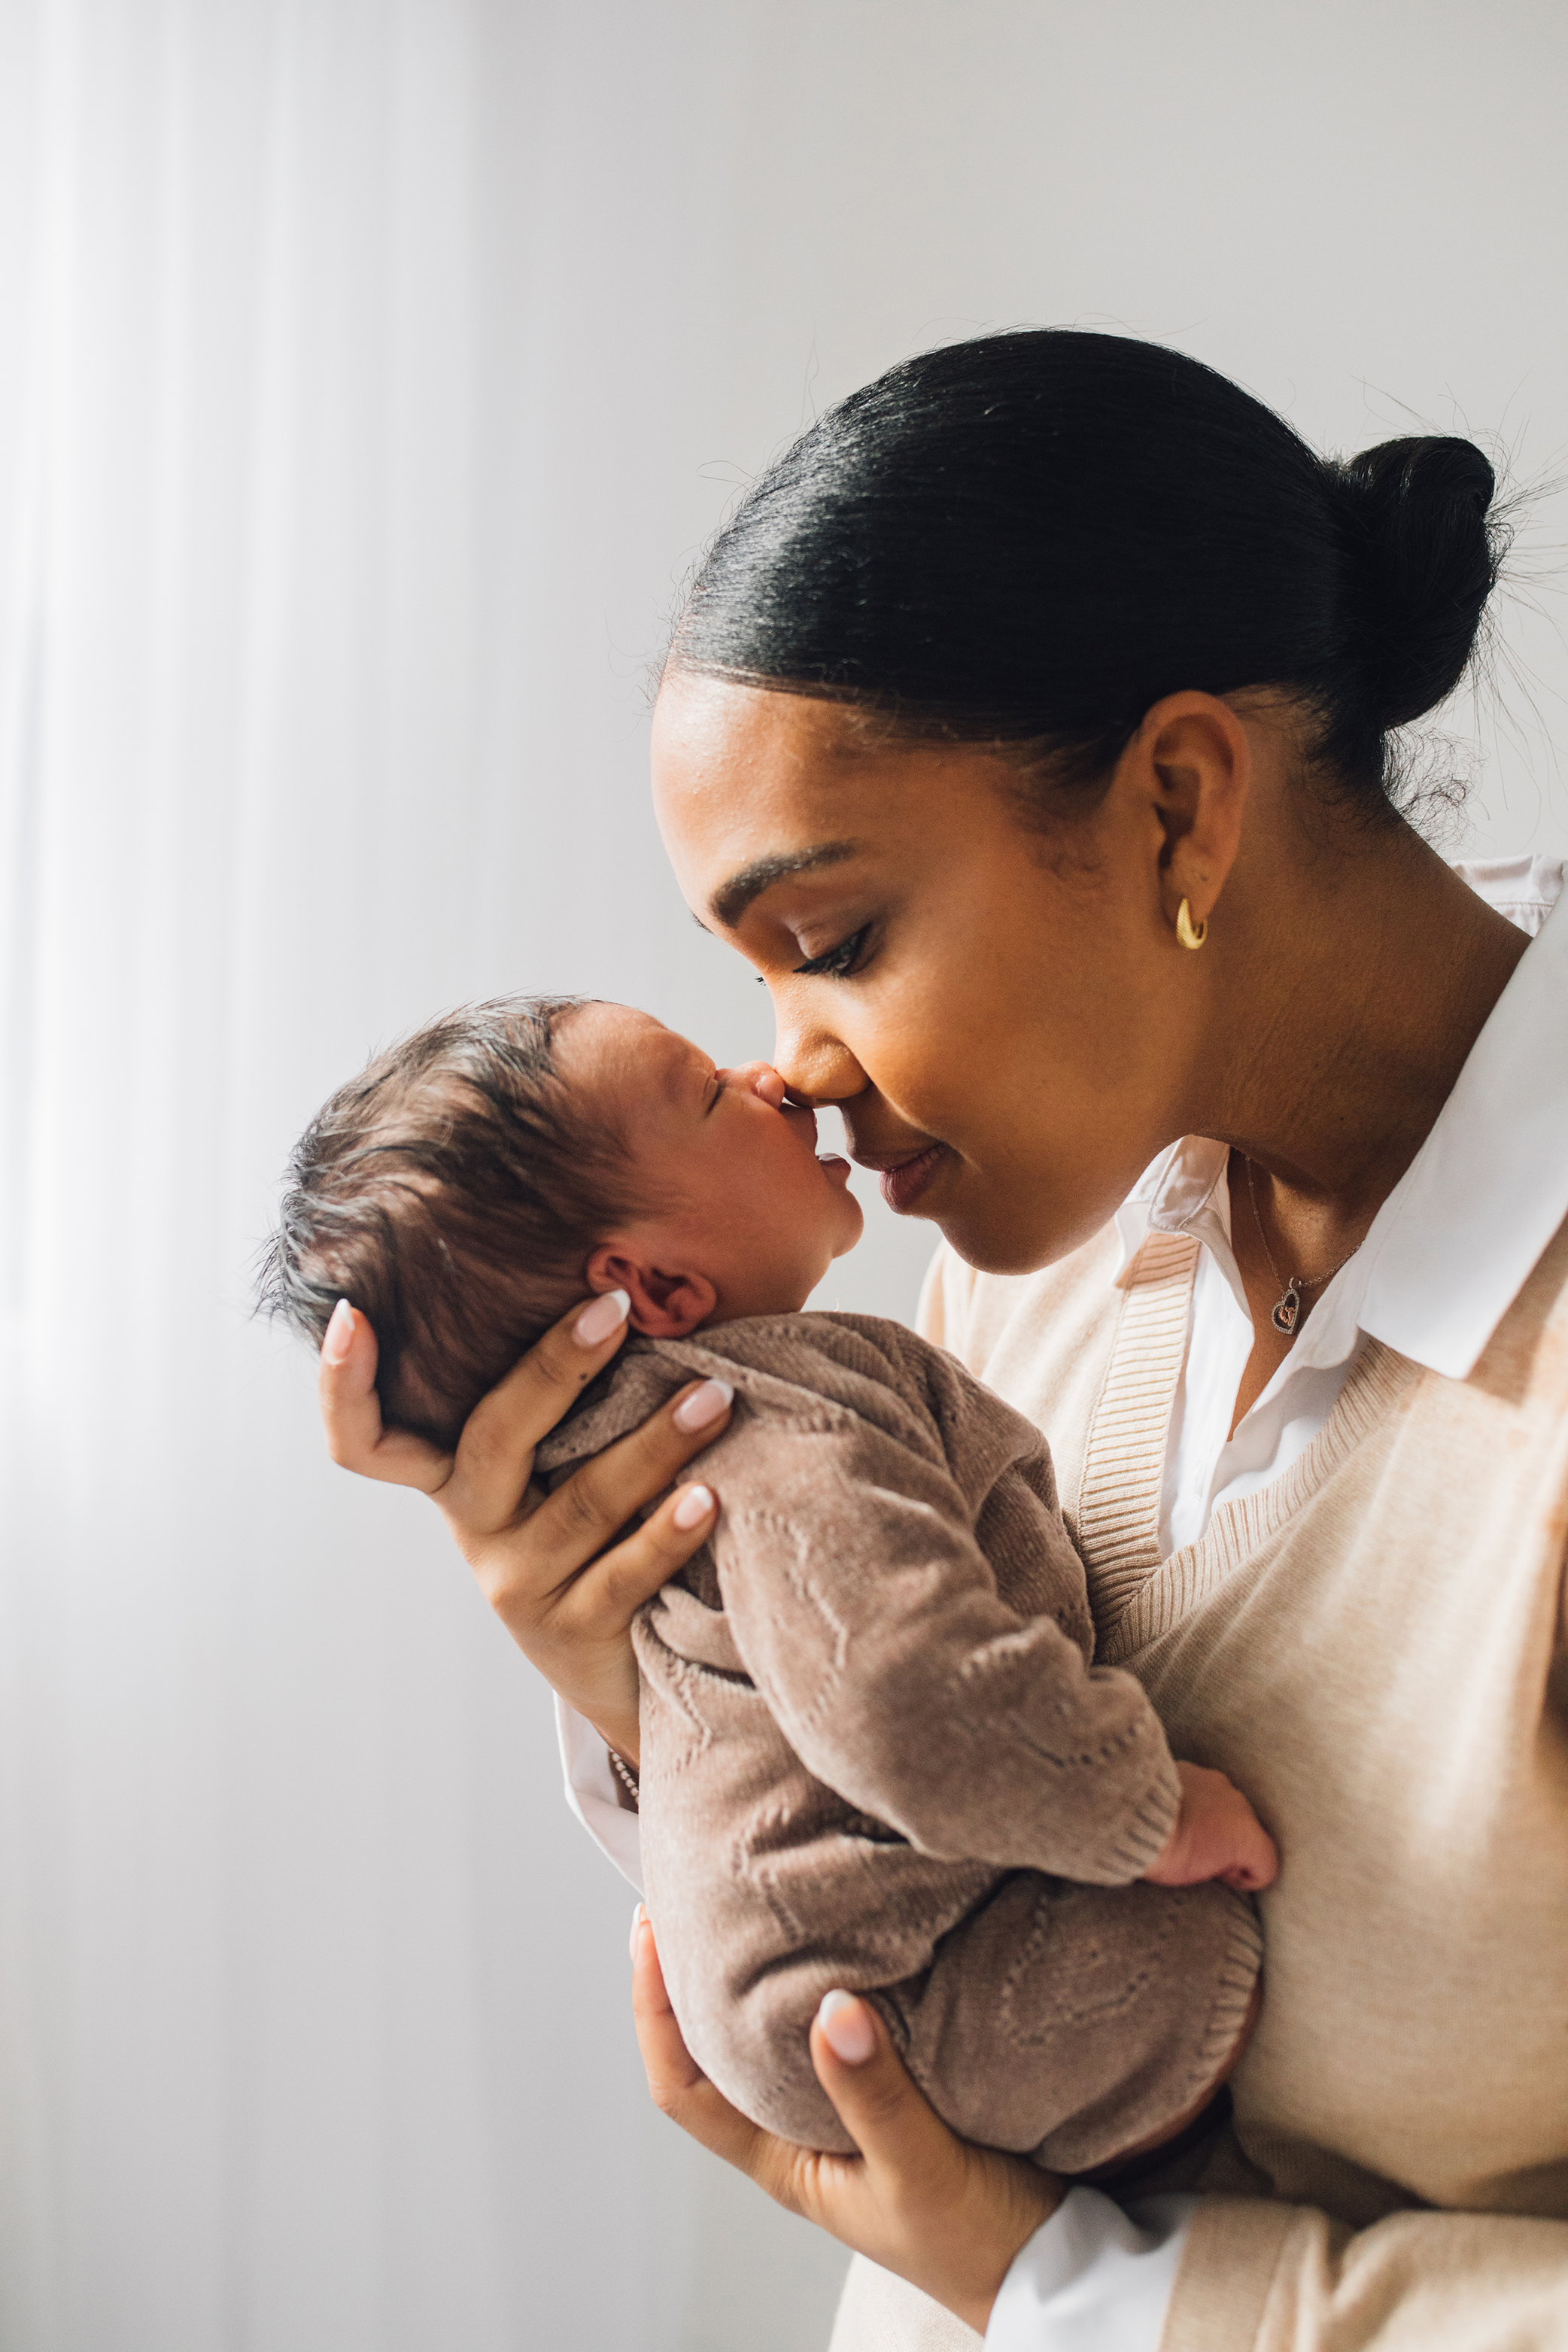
column 874, row 1752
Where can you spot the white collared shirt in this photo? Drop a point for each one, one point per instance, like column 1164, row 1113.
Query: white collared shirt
column 1445, row 1256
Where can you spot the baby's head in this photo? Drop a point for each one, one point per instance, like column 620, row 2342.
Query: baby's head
column 470, row 1184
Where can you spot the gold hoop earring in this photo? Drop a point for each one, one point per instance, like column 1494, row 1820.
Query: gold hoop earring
column 1188, row 936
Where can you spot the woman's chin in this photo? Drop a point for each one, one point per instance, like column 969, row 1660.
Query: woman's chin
column 997, row 1242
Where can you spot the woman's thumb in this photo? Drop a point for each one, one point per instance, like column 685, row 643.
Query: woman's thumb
column 862, row 2073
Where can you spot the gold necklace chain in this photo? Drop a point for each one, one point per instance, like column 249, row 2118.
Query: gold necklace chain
column 1287, row 1311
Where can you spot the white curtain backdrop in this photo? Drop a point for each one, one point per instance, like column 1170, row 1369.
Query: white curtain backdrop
column 370, row 370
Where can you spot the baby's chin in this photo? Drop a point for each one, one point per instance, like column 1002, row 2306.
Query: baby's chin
column 849, row 1217
column 854, row 1226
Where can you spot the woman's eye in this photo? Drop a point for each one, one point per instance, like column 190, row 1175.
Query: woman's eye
column 838, row 962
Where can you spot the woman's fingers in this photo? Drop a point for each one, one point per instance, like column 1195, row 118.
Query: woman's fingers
column 610, row 1593
column 351, row 1412
column 600, row 1497
column 577, row 1633
column 682, row 2091
column 567, row 1592
column 898, row 2133
column 488, row 1486
column 495, row 1453
column 947, row 2216
column 876, row 2101
column 549, row 1564
column 583, row 1516
column 678, row 2086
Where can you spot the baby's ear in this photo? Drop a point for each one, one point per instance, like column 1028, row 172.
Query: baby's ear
column 664, row 1304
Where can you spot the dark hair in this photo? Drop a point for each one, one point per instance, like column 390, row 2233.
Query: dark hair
column 1028, row 539
column 452, row 1194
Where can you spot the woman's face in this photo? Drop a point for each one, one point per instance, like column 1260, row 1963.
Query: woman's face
column 1000, row 1013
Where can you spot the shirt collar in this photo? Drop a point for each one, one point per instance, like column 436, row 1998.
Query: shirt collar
column 1453, row 1242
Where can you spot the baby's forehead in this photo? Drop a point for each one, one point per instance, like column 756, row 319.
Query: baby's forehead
column 617, row 1045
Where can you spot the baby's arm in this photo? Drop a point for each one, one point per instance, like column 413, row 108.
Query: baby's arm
column 868, row 1617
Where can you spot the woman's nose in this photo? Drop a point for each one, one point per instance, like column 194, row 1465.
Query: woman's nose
column 817, row 1069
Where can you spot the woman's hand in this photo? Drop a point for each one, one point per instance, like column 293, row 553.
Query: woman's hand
column 947, row 2216
column 548, row 1564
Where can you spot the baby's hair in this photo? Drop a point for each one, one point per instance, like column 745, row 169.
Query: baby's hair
column 452, row 1192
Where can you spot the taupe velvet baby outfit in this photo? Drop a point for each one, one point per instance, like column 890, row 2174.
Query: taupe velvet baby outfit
column 875, row 1754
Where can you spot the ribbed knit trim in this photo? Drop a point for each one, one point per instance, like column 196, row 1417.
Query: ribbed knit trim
column 1233, row 1994
column 1188, row 2073
column 1136, row 1596
column 1132, row 1847
column 1377, row 1382
column 1124, row 1452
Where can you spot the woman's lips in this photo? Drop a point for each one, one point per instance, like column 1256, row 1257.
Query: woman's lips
column 903, row 1180
column 835, row 1164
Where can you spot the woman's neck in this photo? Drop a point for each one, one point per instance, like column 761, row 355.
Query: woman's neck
column 1351, row 1013
column 1353, row 1010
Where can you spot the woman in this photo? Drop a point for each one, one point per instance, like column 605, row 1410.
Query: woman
column 1028, row 730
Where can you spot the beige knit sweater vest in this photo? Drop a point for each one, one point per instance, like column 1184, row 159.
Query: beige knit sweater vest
column 1373, row 1647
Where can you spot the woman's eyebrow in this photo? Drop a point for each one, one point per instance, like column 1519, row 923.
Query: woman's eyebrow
column 732, row 899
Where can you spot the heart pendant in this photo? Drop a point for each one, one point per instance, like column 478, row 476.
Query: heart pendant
column 1287, row 1315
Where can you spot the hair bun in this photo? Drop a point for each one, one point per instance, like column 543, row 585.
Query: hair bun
column 1425, row 561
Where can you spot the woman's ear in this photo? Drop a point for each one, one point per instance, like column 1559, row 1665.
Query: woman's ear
column 664, row 1304
column 1192, row 764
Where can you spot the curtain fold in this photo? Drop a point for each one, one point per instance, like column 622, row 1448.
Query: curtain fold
column 312, row 2006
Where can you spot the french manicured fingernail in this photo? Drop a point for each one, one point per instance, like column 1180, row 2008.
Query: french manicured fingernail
column 846, row 2027
column 693, row 1507
column 638, row 1917
column 601, row 1318
column 338, row 1337
column 704, row 1405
